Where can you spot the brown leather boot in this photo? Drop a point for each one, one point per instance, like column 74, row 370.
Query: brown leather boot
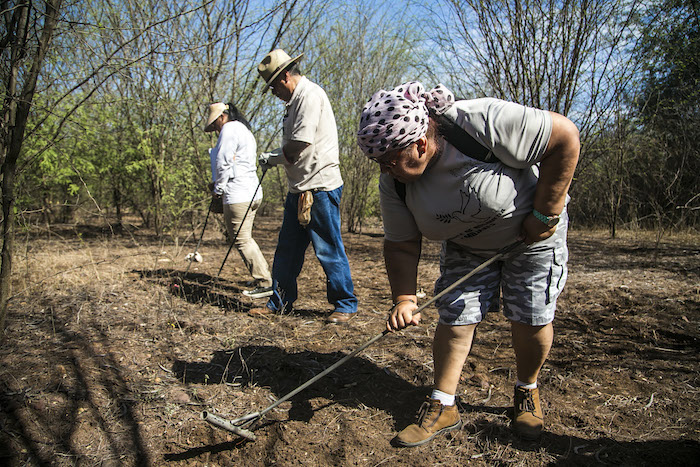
column 433, row 419
column 528, row 420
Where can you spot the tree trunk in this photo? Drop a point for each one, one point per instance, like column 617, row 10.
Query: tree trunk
column 16, row 113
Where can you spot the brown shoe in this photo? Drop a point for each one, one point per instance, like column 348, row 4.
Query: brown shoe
column 338, row 317
column 528, row 420
column 433, row 419
column 262, row 311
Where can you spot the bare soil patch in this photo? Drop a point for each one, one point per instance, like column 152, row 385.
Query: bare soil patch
column 103, row 363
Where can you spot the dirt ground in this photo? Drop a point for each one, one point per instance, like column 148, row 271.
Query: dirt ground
column 103, row 364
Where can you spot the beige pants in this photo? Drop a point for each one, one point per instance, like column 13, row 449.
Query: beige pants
column 246, row 246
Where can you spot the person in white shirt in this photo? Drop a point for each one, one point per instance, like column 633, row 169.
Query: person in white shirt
column 235, row 181
column 476, row 206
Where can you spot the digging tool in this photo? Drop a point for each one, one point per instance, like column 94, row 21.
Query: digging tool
column 238, row 425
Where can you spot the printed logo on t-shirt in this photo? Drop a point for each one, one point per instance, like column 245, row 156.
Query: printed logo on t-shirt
column 471, row 213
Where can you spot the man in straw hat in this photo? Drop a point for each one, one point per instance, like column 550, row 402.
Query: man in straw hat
column 309, row 155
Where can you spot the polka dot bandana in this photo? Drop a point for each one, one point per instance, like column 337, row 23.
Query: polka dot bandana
column 395, row 119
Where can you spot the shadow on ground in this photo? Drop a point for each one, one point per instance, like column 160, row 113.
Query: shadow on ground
column 355, row 383
column 89, row 389
column 572, row 450
column 197, row 288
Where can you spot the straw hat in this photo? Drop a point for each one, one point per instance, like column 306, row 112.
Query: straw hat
column 215, row 111
column 273, row 64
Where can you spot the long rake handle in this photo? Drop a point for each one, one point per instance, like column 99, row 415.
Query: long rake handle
column 374, row 339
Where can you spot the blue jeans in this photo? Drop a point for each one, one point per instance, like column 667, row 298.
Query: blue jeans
column 324, row 234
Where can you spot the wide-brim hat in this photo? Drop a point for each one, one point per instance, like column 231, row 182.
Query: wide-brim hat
column 273, row 64
column 215, row 111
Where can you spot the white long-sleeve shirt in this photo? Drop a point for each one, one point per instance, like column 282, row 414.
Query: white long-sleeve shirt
column 233, row 164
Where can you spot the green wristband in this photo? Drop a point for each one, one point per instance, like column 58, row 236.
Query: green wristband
column 550, row 221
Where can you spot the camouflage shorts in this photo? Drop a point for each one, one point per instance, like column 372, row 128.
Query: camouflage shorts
column 527, row 282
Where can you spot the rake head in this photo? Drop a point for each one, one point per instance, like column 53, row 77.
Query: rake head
column 230, row 425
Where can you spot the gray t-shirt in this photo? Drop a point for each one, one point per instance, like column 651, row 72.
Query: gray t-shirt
column 472, row 203
column 309, row 118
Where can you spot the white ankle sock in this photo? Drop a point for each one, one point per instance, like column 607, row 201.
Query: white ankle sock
column 519, row 383
column 444, row 398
